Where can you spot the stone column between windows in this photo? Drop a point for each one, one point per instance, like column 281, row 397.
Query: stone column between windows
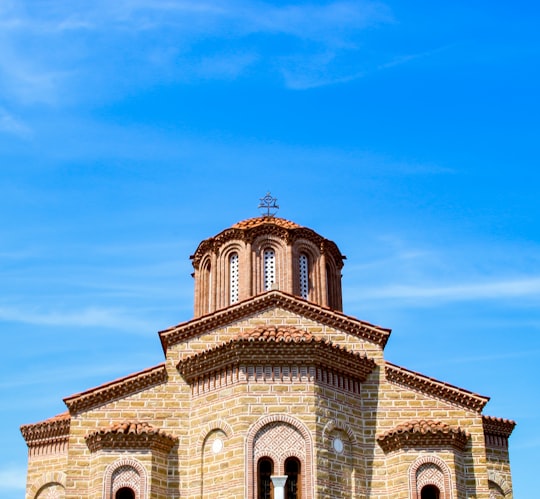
column 279, row 486
column 323, row 281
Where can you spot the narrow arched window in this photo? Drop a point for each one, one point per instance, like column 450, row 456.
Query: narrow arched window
column 292, row 485
column 124, row 493
column 303, row 263
column 265, row 469
column 207, row 288
column 269, row 269
column 233, row 278
column 429, row 492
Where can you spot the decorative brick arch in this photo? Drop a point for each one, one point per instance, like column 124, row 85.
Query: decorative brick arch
column 333, row 425
column 51, row 478
column 430, row 470
column 279, row 436
column 208, row 428
column 125, row 472
column 498, row 479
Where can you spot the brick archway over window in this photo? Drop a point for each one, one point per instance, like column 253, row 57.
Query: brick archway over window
column 430, row 470
column 279, row 437
column 51, row 478
column 125, row 472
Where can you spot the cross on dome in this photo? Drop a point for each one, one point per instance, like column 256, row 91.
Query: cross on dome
column 268, row 203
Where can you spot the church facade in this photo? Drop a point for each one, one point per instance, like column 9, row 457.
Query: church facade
column 271, row 392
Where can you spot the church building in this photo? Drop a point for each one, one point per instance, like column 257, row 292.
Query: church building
column 271, row 392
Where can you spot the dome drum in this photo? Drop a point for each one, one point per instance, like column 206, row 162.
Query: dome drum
column 264, row 253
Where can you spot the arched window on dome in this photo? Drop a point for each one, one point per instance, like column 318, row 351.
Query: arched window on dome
column 292, row 485
column 233, row 278
column 269, row 256
column 265, row 469
column 124, row 493
column 303, row 267
column 207, row 288
column 430, row 492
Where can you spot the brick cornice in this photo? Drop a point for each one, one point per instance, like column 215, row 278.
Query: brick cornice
column 268, row 300
column 498, row 426
column 249, row 230
column 130, row 435
column 423, row 433
column 430, row 386
column 276, row 346
column 51, row 431
column 116, row 389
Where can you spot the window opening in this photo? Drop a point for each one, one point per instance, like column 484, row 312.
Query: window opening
column 429, row 492
column 233, row 276
column 265, row 468
column 124, row 493
column 292, row 486
column 269, row 269
column 304, row 276
column 207, row 288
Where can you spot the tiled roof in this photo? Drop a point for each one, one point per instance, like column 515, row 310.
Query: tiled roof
column 275, row 346
column 498, row 426
column 116, row 389
column 269, row 300
column 286, row 334
column 46, row 432
column 423, row 433
column 132, row 435
column 255, row 222
column 439, row 389
column 249, row 230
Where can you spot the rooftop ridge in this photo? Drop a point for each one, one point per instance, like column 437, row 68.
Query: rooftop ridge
column 431, row 386
column 268, row 299
column 423, row 433
column 120, row 387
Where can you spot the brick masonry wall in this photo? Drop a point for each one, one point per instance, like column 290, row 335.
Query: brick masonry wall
column 230, row 411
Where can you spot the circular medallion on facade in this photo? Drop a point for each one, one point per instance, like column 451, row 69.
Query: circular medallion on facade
column 217, row 445
column 338, row 445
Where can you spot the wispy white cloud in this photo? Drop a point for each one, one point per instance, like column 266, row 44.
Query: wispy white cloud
column 87, row 317
column 488, row 290
column 12, row 477
column 13, row 126
column 60, row 46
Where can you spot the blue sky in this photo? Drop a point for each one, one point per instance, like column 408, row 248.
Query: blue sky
column 407, row 132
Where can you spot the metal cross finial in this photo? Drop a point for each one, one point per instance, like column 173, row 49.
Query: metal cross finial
column 268, row 203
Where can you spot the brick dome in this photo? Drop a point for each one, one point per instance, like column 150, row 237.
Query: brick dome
column 264, row 253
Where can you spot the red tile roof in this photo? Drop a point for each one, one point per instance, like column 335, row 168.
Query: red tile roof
column 51, row 430
column 498, row 426
column 277, row 333
column 439, row 389
column 423, row 433
column 116, row 389
column 276, row 346
column 274, row 299
column 255, row 222
column 132, row 435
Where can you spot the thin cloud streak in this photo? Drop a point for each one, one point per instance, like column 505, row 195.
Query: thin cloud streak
column 496, row 290
column 13, row 477
column 88, row 317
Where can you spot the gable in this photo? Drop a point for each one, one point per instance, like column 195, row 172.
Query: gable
column 253, row 307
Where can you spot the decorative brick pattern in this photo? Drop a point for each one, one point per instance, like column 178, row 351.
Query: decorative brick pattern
column 125, row 472
column 277, row 376
column 116, row 389
column 430, row 470
column 47, row 437
column 430, row 386
column 423, row 433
